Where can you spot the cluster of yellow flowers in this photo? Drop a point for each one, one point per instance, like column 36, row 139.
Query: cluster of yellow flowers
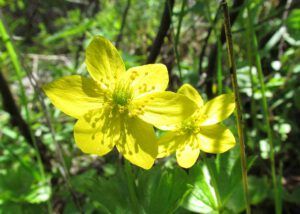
column 119, row 108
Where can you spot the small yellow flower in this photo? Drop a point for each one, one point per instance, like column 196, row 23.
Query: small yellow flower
column 115, row 107
column 201, row 131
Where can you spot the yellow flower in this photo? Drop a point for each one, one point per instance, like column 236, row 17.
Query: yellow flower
column 201, row 131
column 116, row 107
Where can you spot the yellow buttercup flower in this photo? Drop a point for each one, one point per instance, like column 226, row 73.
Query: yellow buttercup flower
column 201, row 131
column 117, row 107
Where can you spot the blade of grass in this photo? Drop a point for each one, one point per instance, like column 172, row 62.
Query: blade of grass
column 219, row 48
column 219, row 68
column 24, row 102
column 278, row 206
column 250, row 58
column 235, row 86
column 177, row 35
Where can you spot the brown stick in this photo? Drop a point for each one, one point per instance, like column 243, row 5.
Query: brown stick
column 10, row 106
column 209, row 31
column 16, row 119
column 124, row 17
column 211, row 68
column 239, row 113
column 162, row 31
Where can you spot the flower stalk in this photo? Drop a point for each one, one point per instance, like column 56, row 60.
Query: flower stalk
column 235, row 86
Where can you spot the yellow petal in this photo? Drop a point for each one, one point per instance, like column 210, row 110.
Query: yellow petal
column 188, row 153
column 103, row 61
column 217, row 109
column 138, row 144
column 215, row 139
column 191, row 93
column 96, row 133
column 168, row 143
column 148, row 78
column 163, row 109
column 74, row 95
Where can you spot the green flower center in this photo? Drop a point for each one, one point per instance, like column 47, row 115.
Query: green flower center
column 121, row 96
column 189, row 126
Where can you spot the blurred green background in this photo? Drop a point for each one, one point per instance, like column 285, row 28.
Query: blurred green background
column 42, row 171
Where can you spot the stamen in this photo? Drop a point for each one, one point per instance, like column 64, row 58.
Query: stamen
column 189, row 126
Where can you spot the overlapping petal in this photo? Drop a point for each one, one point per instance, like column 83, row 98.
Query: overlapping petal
column 123, row 115
column 103, row 61
column 217, row 109
column 215, row 139
column 74, row 95
column 191, row 93
column 163, row 109
column 138, row 143
column 188, row 153
column 169, row 142
column 96, row 133
column 147, row 78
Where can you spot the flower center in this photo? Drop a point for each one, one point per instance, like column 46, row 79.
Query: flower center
column 189, row 126
column 121, row 96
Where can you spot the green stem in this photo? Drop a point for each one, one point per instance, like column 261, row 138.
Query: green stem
column 219, row 67
column 181, row 14
column 18, row 68
column 278, row 207
column 235, row 86
column 251, row 66
column 131, row 187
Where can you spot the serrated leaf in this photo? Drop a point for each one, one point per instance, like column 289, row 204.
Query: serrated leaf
column 161, row 190
column 215, row 180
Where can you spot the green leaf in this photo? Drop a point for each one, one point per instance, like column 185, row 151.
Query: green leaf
column 259, row 190
column 20, row 184
column 293, row 24
column 9, row 207
column 202, row 199
column 293, row 197
column 107, row 195
column 215, row 180
column 158, row 190
column 70, row 32
column 39, row 193
column 161, row 190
